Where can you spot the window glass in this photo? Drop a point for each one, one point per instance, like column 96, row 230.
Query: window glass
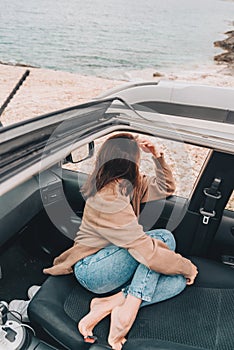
column 185, row 160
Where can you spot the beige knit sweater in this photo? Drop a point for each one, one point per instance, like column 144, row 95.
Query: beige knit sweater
column 110, row 218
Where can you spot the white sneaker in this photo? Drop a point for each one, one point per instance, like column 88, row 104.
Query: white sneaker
column 32, row 291
column 20, row 307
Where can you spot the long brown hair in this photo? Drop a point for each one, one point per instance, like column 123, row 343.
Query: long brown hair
column 118, row 158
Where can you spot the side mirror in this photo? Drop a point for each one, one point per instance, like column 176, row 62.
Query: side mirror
column 80, row 154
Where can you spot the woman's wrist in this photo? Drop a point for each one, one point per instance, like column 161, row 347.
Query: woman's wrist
column 157, row 154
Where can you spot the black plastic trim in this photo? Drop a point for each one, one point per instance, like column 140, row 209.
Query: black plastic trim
column 188, row 111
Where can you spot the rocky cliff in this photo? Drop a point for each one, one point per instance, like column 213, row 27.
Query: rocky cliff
column 228, row 45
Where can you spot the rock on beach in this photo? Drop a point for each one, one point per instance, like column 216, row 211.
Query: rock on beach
column 227, row 45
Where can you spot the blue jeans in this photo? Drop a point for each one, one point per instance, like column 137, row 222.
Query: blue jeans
column 112, row 267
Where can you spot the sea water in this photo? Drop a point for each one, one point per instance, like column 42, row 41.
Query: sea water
column 104, row 37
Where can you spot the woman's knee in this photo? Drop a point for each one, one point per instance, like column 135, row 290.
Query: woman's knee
column 174, row 285
column 179, row 283
column 165, row 236
column 170, row 286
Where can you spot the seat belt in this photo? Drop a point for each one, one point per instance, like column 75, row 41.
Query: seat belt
column 212, row 195
column 202, row 239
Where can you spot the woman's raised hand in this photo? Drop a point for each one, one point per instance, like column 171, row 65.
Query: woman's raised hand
column 148, row 147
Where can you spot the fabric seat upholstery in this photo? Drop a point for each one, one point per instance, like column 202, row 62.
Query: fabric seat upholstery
column 61, row 302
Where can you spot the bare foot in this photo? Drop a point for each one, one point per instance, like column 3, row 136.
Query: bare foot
column 122, row 319
column 99, row 309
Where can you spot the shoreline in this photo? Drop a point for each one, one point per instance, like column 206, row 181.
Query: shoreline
column 47, row 90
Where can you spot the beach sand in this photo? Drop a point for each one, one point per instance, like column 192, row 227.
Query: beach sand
column 45, row 91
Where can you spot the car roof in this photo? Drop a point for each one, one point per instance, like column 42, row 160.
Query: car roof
column 54, row 135
column 199, row 114
column 175, row 93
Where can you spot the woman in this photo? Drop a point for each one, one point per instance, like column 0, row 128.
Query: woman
column 111, row 250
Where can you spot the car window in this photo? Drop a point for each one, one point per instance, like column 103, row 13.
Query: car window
column 185, row 160
column 230, row 204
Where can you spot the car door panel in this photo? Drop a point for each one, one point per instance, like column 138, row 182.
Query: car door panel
column 223, row 245
column 165, row 213
column 72, row 184
column 17, row 208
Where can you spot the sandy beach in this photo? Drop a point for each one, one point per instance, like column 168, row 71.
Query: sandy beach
column 46, row 91
column 49, row 90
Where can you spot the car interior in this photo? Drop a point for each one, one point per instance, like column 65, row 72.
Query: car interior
column 40, row 218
